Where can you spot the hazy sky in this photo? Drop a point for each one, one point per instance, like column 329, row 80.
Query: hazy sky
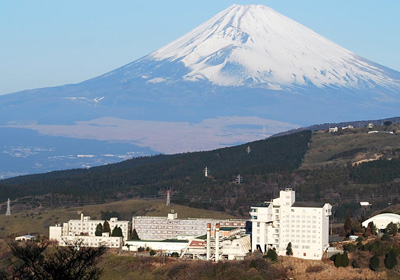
column 49, row 43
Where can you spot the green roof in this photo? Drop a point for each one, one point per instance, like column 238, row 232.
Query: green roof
column 228, row 228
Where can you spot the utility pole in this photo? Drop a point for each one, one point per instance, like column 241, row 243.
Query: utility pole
column 8, row 212
column 168, row 199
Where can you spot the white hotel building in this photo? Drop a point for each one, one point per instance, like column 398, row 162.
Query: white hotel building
column 305, row 225
column 83, row 230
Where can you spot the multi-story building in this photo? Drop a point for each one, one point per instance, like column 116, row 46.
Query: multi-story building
column 83, row 232
column 87, row 226
column 282, row 221
column 170, row 227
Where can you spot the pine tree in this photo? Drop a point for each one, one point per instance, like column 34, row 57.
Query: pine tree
column 345, row 260
column 289, row 250
column 374, row 263
column 99, row 230
column 117, row 231
column 391, row 259
column 272, row 255
column 135, row 235
column 106, row 227
column 372, row 228
column 338, row 260
column 391, row 229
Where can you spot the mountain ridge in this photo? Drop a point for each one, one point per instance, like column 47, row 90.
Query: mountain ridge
column 170, row 101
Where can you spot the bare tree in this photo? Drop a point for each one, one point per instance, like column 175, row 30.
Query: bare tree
column 39, row 261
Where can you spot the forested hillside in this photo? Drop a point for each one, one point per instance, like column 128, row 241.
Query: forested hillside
column 341, row 168
column 150, row 177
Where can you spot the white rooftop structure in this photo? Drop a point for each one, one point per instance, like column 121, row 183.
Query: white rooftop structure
column 382, row 220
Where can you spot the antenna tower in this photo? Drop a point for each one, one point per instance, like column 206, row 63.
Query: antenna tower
column 206, row 170
column 168, row 199
column 248, row 150
column 8, row 213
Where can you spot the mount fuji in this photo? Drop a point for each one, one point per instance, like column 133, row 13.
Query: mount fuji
column 245, row 74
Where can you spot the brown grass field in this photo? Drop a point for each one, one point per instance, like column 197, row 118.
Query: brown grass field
column 324, row 145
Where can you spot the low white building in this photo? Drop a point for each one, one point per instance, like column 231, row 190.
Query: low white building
column 167, row 246
column 170, row 227
column 26, row 237
column 305, row 225
column 382, row 220
column 83, row 232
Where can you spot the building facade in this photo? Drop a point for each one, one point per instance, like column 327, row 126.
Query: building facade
column 282, row 221
column 170, row 227
column 87, row 226
column 83, row 232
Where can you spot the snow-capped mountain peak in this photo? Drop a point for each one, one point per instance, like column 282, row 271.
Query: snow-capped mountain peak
column 254, row 45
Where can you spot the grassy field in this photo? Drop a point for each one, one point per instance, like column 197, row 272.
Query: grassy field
column 38, row 221
column 326, row 145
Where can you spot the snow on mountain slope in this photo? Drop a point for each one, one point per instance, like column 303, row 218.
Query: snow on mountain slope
column 250, row 45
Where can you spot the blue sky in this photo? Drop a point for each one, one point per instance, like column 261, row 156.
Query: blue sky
column 50, row 43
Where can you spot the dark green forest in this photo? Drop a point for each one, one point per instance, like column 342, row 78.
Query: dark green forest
column 268, row 166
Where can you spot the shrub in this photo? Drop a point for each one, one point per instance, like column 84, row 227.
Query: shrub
column 349, row 247
column 314, row 269
column 355, row 264
column 374, row 263
column 152, row 252
column 272, row 255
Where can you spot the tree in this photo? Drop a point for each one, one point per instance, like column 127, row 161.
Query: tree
column 372, row 228
column 341, row 260
column 391, row 228
column 38, row 261
column 99, row 230
column 108, row 215
column 117, row 231
column 272, row 255
column 385, row 237
column 345, row 260
column 135, row 235
column 374, row 263
column 106, row 227
column 347, row 224
column 289, row 250
column 391, row 259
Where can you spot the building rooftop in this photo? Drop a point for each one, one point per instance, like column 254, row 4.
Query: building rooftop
column 308, row 204
column 262, row 204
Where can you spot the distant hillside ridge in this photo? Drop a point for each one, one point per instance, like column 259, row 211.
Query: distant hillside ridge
column 150, row 177
column 356, row 124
